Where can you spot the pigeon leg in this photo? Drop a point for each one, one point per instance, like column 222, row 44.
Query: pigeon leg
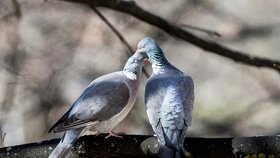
column 113, row 134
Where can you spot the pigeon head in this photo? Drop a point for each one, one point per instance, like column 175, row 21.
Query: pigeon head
column 137, row 59
column 134, row 65
column 149, row 46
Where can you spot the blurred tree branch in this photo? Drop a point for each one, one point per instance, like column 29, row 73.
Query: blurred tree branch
column 209, row 32
column 129, row 49
column 2, row 138
column 12, row 61
column 131, row 8
column 17, row 10
column 118, row 34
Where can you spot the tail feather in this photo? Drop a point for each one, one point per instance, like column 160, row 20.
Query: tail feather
column 172, row 138
column 166, row 152
column 180, row 153
column 66, row 143
column 60, row 151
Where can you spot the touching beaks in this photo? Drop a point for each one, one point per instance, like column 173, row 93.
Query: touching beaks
column 147, row 60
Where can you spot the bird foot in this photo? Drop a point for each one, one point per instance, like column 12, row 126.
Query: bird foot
column 113, row 134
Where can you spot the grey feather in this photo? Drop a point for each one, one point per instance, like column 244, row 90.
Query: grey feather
column 66, row 143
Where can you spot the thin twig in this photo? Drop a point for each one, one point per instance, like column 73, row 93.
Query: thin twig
column 131, row 8
column 17, row 10
column 2, row 140
column 129, row 50
column 209, row 32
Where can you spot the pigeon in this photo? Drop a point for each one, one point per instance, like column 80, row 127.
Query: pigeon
column 169, row 99
column 103, row 104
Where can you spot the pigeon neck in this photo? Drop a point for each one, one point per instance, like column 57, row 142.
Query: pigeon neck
column 158, row 61
column 130, row 73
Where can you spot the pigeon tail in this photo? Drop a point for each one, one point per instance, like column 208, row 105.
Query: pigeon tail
column 172, row 138
column 66, row 143
column 166, row 152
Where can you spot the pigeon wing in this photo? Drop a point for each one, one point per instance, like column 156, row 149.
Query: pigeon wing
column 186, row 89
column 153, row 101
column 100, row 101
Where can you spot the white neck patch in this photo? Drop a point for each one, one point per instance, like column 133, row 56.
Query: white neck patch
column 130, row 75
column 157, row 69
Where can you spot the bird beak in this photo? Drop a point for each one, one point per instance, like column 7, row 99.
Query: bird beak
column 146, row 59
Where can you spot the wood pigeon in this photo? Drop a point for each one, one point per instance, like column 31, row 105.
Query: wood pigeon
column 104, row 103
column 169, row 98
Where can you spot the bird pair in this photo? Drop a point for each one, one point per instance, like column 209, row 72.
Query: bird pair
column 169, row 97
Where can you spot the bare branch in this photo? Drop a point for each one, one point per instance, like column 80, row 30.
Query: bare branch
column 12, row 65
column 129, row 51
column 118, row 34
column 131, row 8
column 209, row 32
column 2, row 139
column 17, row 10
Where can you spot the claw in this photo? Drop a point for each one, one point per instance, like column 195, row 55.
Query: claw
column 113, row 134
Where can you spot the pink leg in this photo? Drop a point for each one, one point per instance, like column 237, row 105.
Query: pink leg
column 113, row 134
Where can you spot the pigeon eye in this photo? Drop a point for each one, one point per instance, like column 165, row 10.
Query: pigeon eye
column 143, row 46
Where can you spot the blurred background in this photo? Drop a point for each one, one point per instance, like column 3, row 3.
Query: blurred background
column 50, row 51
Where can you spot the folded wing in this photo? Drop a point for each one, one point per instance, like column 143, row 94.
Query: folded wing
column 99, row 102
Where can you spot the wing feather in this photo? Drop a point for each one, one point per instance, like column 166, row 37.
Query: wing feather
column 153, row 101
column 100, row 101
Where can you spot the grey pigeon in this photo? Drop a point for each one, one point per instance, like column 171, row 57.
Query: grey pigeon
column 169, row 98
column 105, row 102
